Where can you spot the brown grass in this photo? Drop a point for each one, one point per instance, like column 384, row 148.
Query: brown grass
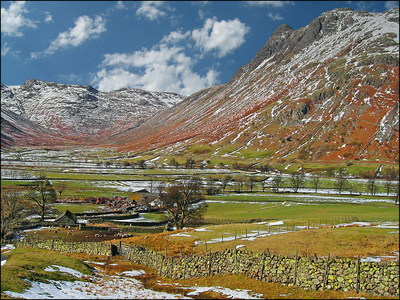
column 160, row 241
column 342, row 242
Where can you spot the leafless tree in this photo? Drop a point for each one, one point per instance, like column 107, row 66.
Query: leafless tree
column 315, row 182
column 41, row 194
column 372, row 187
column 277, row 183
column 184, row 202
column 341, row 181
column 297, row 180
column 11, row 210
column 61, row 187
column 225, row 181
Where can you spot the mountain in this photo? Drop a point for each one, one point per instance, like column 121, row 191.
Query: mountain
column 83, row 112
column 326, row 92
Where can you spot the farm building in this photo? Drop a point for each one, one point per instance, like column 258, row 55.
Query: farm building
column 66, row 218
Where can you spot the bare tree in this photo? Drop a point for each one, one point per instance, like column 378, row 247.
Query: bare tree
column 11, row 210
column 277, row 183
column 341, row 181
column 297, row 180
column 41, row 194
column 184, row 202
column 239, row 183
column 212, row 187
column 225, row 181
column 251, row 181
column 61, row 187
column 315, row 182
column 264, row 184
column 388, row 187
column 190, row 163
column 372, row 187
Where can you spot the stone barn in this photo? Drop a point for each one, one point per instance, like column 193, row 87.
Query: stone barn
column 66, row 218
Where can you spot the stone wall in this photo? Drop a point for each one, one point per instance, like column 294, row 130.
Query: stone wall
column 91, row 248
column 376, row 278
column 307, row 272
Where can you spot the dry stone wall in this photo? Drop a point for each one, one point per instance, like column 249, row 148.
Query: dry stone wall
column 91, row 248
column 376, row 278
column 307, row 272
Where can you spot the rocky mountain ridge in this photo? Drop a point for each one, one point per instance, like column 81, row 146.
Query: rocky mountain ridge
column 82, row 110
column 328, row 91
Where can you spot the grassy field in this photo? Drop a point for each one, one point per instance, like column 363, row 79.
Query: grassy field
column 30, row 264
column 37, row 260
column 316, row 213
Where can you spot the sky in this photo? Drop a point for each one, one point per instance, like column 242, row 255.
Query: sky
column 164, row 46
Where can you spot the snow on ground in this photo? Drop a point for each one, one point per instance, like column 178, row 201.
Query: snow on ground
column 121, row 286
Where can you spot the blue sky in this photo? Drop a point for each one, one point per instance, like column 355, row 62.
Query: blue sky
column 165, row 46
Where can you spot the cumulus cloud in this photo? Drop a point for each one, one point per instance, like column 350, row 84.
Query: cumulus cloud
column 270, row 3
column 120, row 5
column 391, row 4
column 12, row 19
column 49, row 17
column 84, row 29
column 4, row 49
column 275, row 17
column 223, row 37
column 151, row 10
column 163, row 68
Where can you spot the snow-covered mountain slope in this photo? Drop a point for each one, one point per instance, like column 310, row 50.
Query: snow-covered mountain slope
column 83, row 110
column 327, row 91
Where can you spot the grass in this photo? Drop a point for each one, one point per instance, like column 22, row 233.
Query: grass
column 114, row 265
column 342, row 242
column 30, row 264
column 233, row 211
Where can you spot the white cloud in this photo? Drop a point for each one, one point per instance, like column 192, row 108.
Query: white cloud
column 391, row 4
column 270, row 3
column 224, row 36
column 84, row 29
column 4, row 49
column 275, row 17
column 163, row 68
column 150, row 9
column 12, row 19
column 49, row 18
column 175, row 36
column 120, row 5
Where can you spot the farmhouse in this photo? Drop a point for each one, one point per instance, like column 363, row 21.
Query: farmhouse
column 66, row 218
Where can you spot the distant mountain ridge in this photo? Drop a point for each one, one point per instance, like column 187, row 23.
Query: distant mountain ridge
column 76, row 110
column 328, row 91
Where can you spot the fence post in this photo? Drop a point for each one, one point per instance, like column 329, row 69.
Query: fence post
column 209, row 264
column 295, row 270
column 236, row 261
column 326, row 272
column 222, row 237
column 246, row 231
column 120, row 247
column 162, row 263
column 184, row 268
column 263, row 265
column 308, row 224
column 235, row 235
column 358, row 273
column 269, row 229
